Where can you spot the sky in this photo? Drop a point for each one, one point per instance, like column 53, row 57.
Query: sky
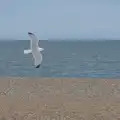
column 64, row 19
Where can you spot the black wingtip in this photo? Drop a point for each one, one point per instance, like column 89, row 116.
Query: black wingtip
column 30, row 33
column 38, row 66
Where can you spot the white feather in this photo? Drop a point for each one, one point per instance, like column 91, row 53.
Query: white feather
column 27, row 51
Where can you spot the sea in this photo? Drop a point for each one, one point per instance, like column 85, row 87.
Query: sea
column 73, row 59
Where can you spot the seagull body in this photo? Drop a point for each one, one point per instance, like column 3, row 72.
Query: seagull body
column 35, row 50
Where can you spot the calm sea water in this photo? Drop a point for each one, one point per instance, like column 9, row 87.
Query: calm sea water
column 62, row 59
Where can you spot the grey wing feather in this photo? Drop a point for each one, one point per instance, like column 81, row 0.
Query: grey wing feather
column 33, row 37
column 37, row 58
column 34, row 40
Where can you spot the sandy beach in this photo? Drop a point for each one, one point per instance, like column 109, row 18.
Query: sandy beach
column 59, row 99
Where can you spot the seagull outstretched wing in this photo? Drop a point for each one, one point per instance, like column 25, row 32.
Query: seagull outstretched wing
column 35, row 50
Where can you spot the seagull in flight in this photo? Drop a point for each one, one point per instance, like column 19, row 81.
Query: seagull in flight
column 35, row 50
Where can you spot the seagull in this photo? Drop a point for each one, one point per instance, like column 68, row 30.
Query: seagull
column 35, row 50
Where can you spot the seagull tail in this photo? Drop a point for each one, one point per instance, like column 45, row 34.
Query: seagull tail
column 27, row 51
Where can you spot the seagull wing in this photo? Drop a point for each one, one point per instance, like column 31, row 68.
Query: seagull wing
column 34, row 40
column 35, row 50
column 37, row 57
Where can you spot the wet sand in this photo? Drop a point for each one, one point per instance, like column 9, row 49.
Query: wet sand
column 59, row 99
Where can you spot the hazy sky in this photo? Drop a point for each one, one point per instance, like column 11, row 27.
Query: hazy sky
column 60, row 19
